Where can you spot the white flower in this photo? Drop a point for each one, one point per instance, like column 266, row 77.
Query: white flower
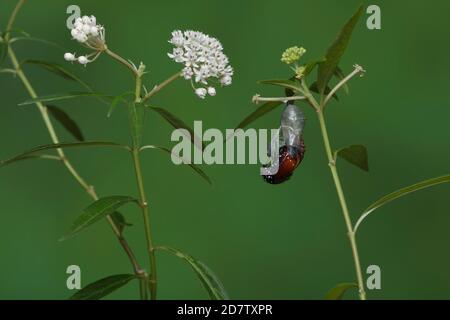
column 87, row 31
column 202, row 57
column 212, row 91
column 83, row 60
column 201, row 92
column 69, row 57
column 187, row 73
column 226, row 80
column 91, row 35
column 86, row 20
column 94, row 31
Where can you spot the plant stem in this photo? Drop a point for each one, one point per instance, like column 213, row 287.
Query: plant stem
column 159, row 87
column 340, row 192
column 118, row 58
column 143, row 199
column 358, row 69
column 257, row 99
column 337, row 182
column 50, row 128
column 12, row 18
column 146, row 216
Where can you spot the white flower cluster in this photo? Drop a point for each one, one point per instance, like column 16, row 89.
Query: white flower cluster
column 90, row 34
column 203, row 58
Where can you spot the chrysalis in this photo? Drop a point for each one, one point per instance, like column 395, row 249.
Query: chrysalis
column 292, row 146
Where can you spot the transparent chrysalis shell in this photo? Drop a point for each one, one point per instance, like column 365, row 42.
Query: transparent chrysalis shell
column 292, row 146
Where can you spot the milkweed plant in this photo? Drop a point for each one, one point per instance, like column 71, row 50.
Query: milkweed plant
column 315, row 90
column 206, row 68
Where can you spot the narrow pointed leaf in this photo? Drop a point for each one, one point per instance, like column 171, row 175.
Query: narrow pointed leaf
column 258, row 113
column 338, row 292
column 116, row 101
column 37, row 157
column 67, row 122
column 58, row 70
column 199, row 171
column 102, row 287
column 283, row 83
column 65, row 96
column 36, row 150
column 336, row 51
column 310, row 66
column 400, row 193
column 356, row 155
column 178, row 124
column 120, row 221
column 96, row 211
column 209, row 280
column 35, row 39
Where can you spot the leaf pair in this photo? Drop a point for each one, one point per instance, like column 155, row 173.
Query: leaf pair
column 105, row 286
column 97, row 211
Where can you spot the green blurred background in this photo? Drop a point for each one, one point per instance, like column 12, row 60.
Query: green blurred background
column 263, row 241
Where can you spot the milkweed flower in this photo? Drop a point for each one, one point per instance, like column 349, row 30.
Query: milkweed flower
column 203, row 59
column 292, row 54
column 91, row 35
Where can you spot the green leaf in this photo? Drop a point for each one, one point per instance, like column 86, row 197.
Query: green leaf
column 356, row 155
column 338, row 292
column 68, row 123
column 119, row 221
column 38, row 157
column 338, row 73
column 65, row 96
column 293, row 85
column 34, row 151
column 35, row 39
column 262, row 110
column 208, row 279
column 400, row 193
column 116, row 100
column 315, row 88
column 177, row 124
column 310, row 66
column 193, row 166
column 336, row 51
column 96, row 211
column 102, row 287
column 58, row 70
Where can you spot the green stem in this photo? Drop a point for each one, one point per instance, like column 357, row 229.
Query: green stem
column 143, row 199
column 345, row 211
column 11, row 20
column 337, row 182
column 118, row 58
column 146, row 216
column 50, row 128
column 161, row 86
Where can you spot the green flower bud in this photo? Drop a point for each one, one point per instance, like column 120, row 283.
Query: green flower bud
column 293, row 54
column 299, row 71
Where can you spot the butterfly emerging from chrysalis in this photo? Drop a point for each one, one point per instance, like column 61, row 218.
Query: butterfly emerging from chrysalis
column 292, row 145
